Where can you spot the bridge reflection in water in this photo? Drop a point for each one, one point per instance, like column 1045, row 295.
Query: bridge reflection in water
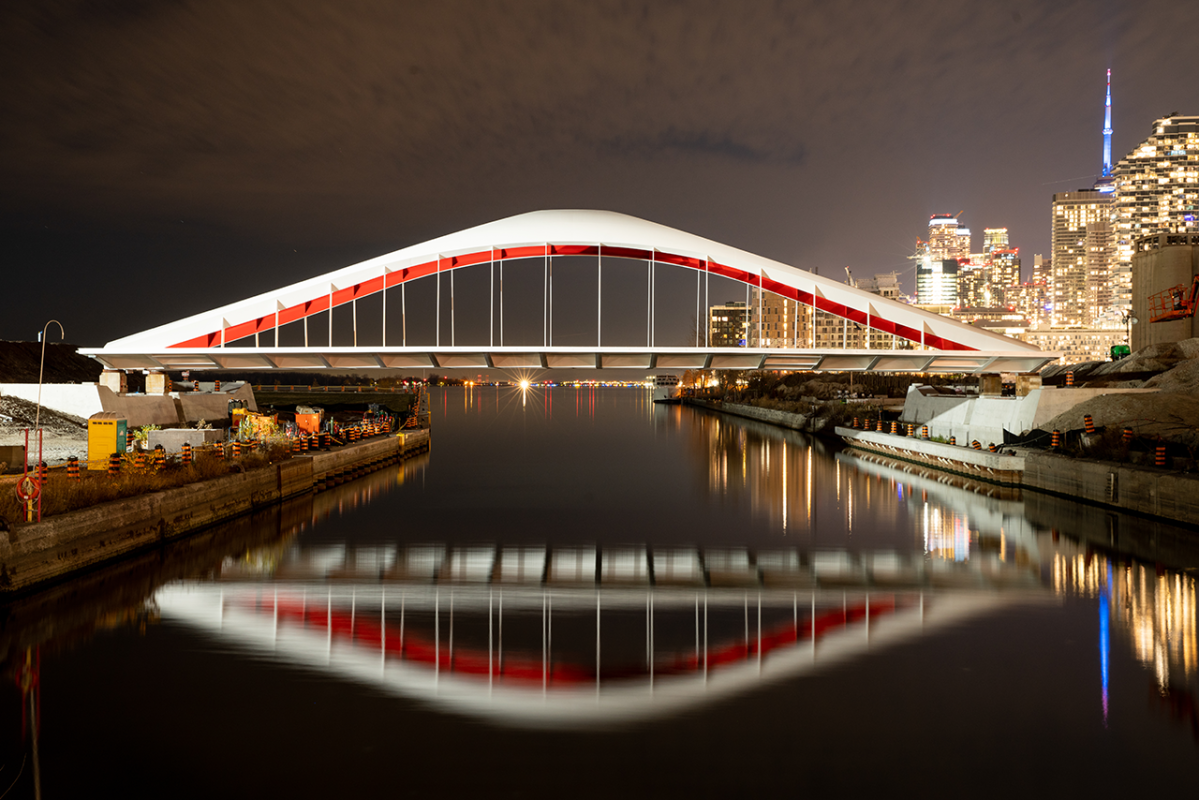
column 473, row 618
column 478, row 652
column 580, row 637
column 855, row 583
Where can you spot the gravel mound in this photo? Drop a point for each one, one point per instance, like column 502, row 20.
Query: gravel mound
column 1183, row 378
column 63, row 435
column 24, row 414
column 1171, row 415
column 1132, row 372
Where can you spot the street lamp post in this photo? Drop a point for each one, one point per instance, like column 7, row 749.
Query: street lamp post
column 30, row 488
column 1129, row 321
column 42, row 368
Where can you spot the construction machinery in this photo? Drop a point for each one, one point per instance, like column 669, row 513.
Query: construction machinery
column 1177, row 302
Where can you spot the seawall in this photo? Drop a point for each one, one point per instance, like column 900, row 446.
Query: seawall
column 1145, row 491
column 783, row 419
column 1149, row 491
column 45, row 551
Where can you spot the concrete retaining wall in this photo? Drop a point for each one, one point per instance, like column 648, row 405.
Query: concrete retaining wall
column 783, row 419
column 78, row 399
column 986, row 417
column 1149, row 539
column 1141, row 490
column 43, row 551
column 30, row 554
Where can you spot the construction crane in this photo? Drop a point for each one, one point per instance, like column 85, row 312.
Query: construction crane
column 1177, row 302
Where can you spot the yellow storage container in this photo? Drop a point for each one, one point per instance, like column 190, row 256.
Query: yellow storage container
column 105, row 436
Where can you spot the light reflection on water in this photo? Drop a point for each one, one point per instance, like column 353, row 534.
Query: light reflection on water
column 775, row 478
column 794, row 486
column 566, row 659
column 627, row 547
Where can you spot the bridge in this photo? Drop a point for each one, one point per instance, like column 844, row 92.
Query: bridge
column 567, row 289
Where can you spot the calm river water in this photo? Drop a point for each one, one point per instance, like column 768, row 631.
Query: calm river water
column 577, row 593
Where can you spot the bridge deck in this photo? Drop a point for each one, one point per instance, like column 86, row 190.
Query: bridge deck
column 512, row 357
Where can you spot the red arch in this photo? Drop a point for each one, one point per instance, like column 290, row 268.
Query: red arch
column 380, row 282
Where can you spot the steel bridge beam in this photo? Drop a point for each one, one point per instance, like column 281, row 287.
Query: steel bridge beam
column 406, row 358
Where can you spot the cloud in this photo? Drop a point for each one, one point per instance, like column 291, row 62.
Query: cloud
column 333, row 120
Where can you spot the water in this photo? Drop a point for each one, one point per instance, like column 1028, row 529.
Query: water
column 436, row 628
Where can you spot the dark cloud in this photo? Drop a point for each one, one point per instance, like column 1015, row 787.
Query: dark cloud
column 672, row 143
column 819, row 133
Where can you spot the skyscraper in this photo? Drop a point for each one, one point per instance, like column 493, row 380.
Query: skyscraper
column 937, row 262
column 995, row 239
column 1084, row 286
column 947, row 239
column 937, row 283
column 1080, row 255
column 1003, row 268
column 973, row 287
column 1156, row 191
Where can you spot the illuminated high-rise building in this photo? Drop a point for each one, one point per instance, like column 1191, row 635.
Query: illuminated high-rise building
column 937, row 283
column 1080, row 255
column 973, row 287
column 1003, row 273
column 728, row 325
column 1156, row 191
column 775, row 321
column 1042, row 270
column 1084, row 283
column 946, row 238
column 937, row 261
column 995, row 239
column 834, row 331
column 1031, row 300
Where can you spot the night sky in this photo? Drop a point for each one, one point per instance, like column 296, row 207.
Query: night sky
column 161, row 158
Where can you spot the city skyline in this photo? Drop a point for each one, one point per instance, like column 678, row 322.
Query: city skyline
column 163, row 162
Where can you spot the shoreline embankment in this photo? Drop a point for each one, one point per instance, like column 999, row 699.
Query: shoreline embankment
column 1145, row 491
column 36, row 554
column 814, row 424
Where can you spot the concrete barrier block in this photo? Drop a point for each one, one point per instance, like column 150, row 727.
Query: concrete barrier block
column 172, row 439
column 12, row 457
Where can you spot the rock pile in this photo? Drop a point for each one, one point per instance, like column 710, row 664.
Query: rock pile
column 1171, row 412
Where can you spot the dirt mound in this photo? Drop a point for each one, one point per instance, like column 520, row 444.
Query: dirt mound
column 63, row 434
column 19, row 362
column 1172, row 415
column 1134, row 371
column 1183, row 378
column 24, row 413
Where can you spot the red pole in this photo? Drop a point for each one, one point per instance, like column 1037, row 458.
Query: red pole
column 39, row 461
